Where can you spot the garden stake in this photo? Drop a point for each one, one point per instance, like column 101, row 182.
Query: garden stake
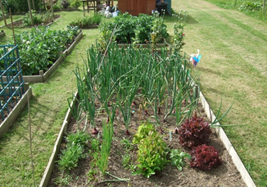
column 30, row 10
column 30, row 132
column 4, row 17
column 12, row 26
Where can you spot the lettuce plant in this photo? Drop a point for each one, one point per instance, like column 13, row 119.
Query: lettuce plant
column 152, row 151
column 177, row 158
column 205, row 157
column 194, row 132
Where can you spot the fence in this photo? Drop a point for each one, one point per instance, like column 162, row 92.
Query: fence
column 12, row 84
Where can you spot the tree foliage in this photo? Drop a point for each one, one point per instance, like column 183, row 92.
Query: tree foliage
column 20, row 6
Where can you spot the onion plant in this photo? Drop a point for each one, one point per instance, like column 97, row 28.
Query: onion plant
column 116, row 78
column 126, row 95
column 102, row 163
column 86, row 95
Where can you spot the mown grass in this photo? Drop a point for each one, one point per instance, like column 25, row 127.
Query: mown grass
column 232, row 68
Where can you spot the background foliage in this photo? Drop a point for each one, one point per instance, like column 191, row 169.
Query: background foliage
column 20, row 6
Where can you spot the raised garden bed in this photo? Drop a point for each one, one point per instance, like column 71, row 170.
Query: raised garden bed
column 44, row 75
column 88, row 22
column 83, row 175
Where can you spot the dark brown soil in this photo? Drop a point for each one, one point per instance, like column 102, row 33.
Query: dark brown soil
column 225, row 175
column 10, row 107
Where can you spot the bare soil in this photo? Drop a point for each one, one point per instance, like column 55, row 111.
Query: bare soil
column 225, row 175
column 9, row 107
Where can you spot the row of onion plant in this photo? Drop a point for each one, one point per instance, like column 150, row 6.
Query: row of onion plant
column 121, row 76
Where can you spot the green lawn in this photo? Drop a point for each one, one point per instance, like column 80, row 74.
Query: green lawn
column 232, row 68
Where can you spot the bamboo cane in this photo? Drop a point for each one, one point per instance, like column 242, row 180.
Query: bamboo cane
column 30, row 10
column 4, row 17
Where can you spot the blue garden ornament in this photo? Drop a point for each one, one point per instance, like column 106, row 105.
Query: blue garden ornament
column 195, row 58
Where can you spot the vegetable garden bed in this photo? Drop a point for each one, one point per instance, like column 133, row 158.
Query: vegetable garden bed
column 125, row 111
column 44, row 75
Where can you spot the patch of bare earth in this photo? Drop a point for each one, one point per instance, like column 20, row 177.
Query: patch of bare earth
column 225, row 175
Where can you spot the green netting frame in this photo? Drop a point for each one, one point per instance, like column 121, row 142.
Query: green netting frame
column 12, row 84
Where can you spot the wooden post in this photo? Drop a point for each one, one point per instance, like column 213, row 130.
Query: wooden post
column 12, row 26
column 52, row 10
column 30, row 10
column 33, row 5
column 44, row 4
column 3, row 12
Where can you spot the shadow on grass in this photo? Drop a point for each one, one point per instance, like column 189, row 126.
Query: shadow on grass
column 188, row 20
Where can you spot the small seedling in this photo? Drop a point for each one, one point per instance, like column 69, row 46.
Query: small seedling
column 178, row 157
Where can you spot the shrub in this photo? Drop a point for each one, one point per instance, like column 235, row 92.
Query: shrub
column 205, row 157
column 75, row 3
column 65, row 4
column 194, row 132
column 251, row 6
column 152, row 151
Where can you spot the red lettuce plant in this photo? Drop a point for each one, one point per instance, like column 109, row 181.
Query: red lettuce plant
column 205, row 157
column 194, row 132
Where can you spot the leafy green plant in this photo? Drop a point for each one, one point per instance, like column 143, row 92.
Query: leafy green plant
column 251, row 6
column 75, row 3
column 136, row 29
column 178, row 39
column 105, row 35
column 79, row 138
column 143, row 131
column 152, row 152
column 64, row 179
column 86, row 22
column 40, row 47
column 177, row 158
column 74, row 150
column 37, row 19
column 70, row 157
column 127, row 144
column 159, row 29
column 95, row 144
column 127, row 161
